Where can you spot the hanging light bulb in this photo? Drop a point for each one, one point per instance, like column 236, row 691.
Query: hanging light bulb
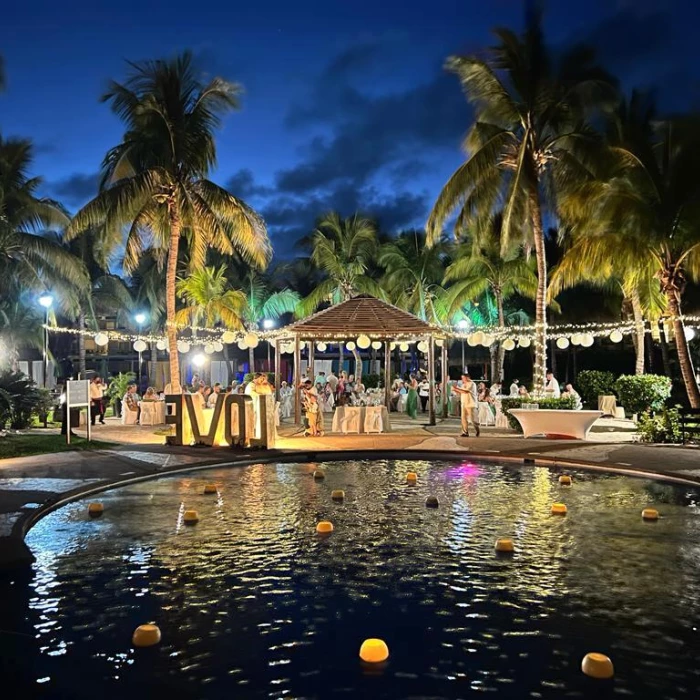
column 321, row 347
column 228, row 337
column 183, row 346
column 524, row 341
column 376, row 344
column 161, row 344
column 350, row 345
column 615, row 336
column 423, row 346
column 509, row 344
column 403, row 347
column 562, row 343
column 251, row 340
column 363, row 342
column 587, row 340
column 218, row 346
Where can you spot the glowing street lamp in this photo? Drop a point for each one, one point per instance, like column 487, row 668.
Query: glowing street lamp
column 198, row 360
column 268, row 324
column 46, row 300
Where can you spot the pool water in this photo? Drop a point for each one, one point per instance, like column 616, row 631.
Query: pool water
column 252, row 603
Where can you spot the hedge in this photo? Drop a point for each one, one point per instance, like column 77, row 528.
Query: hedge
column 643, row 392
column 563, row 403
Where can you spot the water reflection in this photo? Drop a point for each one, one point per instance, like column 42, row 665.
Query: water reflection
column 252, row 602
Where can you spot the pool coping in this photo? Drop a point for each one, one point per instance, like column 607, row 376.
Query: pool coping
column 15, row 553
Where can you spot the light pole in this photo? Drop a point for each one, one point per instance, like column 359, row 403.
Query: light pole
column 268, row 324
column 463, row 325
column 46, row 300
column 140, row 319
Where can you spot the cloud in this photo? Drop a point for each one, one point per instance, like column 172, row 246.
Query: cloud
column 75, row 190
column 242, row 184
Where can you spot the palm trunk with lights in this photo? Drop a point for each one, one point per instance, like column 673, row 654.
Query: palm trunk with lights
column 540, row 367
column 251, row 360
column 501, row 324
column 82, row 365
column 638, row 332
column 170, row 283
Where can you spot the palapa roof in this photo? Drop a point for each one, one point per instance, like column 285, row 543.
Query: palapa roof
column 362, row 314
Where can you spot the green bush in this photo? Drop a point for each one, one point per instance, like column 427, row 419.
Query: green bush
column 643, row 392
column 248, row 377
column 592, row 383
column 372, row 381
column 118, row 386
column 20, row 400
column 662, row 427
column 566, row 403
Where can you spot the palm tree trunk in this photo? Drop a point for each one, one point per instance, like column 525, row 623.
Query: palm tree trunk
column 153, row 366
column 229, row 365
column 553, row 361
column 665, row 358
column 170, row 282
column 501, row 349
column 541, row 298
column 340, row 358
column 358, row 365
column 638, row 332
column 82, row 367
column 251, row 360
column 684, row 360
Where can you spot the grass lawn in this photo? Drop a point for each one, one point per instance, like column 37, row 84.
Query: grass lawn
column 25, row 445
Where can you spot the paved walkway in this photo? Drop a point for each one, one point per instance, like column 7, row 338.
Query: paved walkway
column 29, row 485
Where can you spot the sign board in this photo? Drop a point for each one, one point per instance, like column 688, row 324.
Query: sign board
column 77, row 395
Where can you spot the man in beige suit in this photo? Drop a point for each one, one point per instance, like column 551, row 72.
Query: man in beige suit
column 469, row 402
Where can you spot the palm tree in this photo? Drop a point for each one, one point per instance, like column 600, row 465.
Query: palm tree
column 413, row 275
column 20, row 327
column 261, row 303
column 30, row 261
column 155, row 180
column 486, row 269
column 530, row 138
column 653, row 204
column 344, row 250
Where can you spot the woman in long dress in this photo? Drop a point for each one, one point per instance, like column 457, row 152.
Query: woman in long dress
column 412, row 400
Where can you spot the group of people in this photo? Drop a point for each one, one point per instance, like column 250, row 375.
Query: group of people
column 552, row 389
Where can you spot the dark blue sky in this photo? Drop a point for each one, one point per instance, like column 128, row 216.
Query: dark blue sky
column 346, row 105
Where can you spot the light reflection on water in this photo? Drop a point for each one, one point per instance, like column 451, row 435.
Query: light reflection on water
column 252, row 603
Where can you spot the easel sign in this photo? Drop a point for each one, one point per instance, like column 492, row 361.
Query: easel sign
column 77, row 396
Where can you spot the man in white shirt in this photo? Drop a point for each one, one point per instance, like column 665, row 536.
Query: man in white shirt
column 514, row 389
column 552, row 389
column 211, row 401
column 570, row 391
column 495, row 390
column 97, row 393
column 333, row 381
column 469, row 402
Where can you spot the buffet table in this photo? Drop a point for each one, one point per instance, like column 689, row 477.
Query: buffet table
column 556, row 423
column 361, row 419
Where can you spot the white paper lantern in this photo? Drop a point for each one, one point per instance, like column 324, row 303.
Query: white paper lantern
column 587, row 340
column 377, row 344
column 403, row 347
column 209, row 348
column 101, row 339
column 471, row 340
column 162, row 344
column 363, row 342
column 576, row 339
column 350, row 345
column 562, row 343
column 488, row 340
column 616, row 336
column 321, row 347
column 439, row 342
column 242, row 345
column 251, row 340
column 689, row 333
column 524, row 341
column 392, row 346
column 509, row 344
column 228, row 337
column 218, row 346
column 423, row 346
column 183, row 346
column 478, row 338
column 140, row 345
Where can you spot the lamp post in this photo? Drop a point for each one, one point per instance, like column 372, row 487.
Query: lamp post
column 140, row 319
column 463, row 325
column 268, row 324
column 46, row 300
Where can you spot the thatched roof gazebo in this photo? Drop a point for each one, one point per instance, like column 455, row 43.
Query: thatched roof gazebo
column 367, row 318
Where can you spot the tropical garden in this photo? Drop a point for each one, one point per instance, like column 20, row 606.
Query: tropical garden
column 575, row 204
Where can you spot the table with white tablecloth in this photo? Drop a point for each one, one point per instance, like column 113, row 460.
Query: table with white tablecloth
column 152, row 412
column 361, row 419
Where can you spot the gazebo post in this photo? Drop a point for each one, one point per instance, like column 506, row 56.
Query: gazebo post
column 297, row 380
column 387, row 376
column 312, row 353
column 445, row 377
column 278, row 368
column 431, row 380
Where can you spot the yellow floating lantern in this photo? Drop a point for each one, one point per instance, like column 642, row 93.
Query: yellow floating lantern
column 558, row 509
column 190, row 517
column 319, row 474
column 374, row 651
column 324, row 527
column 565, row 480
column 95, row 510
column 505, row 545
column 338, row 495
column 210, row 489
column 146, row 636
column 411, row 477
column 650, row 514
column 597, row 665
column 432, row 502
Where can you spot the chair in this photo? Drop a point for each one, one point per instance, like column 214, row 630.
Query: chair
column 129, row 417
column 373, row 420
column 485, row 414
column 148, row 412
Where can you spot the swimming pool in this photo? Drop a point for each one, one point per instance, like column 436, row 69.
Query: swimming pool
column 253, row 603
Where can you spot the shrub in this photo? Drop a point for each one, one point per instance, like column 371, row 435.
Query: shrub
column 372, row 381
column 20, row 400
column 248, row 377
column 643, row 392
column 662, row 427
column 118, row 386
column 563, row 403
column 592, row 383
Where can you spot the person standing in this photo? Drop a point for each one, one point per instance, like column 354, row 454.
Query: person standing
column 332, row 382
column 469, row 401
column 97, row 400
column 570, row 391
column 424, row 393
column 514, row 389
column 412, row 399
column 552, row 390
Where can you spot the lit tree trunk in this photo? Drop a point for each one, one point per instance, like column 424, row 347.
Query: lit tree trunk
column 665, row 358
column 229, row 365
column 340, row 358
column 358, row 365
column 540, row 368
column 673, row 294
column 251, row 360
column 638, row 332
column 153, row 366
column 170, row 281
column 82, row 367
column 501, row 324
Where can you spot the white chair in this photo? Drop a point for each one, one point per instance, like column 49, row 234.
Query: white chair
column 486, row 416
column 501, row 418
column 148, row 412
column 373, row 420
column 401, row 403
column 129, row 417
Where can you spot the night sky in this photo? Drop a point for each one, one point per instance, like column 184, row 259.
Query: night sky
column 346, row 104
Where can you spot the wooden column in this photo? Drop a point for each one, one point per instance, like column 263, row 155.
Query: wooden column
column 278, row 368
column 297, row 380
column 311, row 355
column 387, row 375
column 445, row 376
column 431, row 380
